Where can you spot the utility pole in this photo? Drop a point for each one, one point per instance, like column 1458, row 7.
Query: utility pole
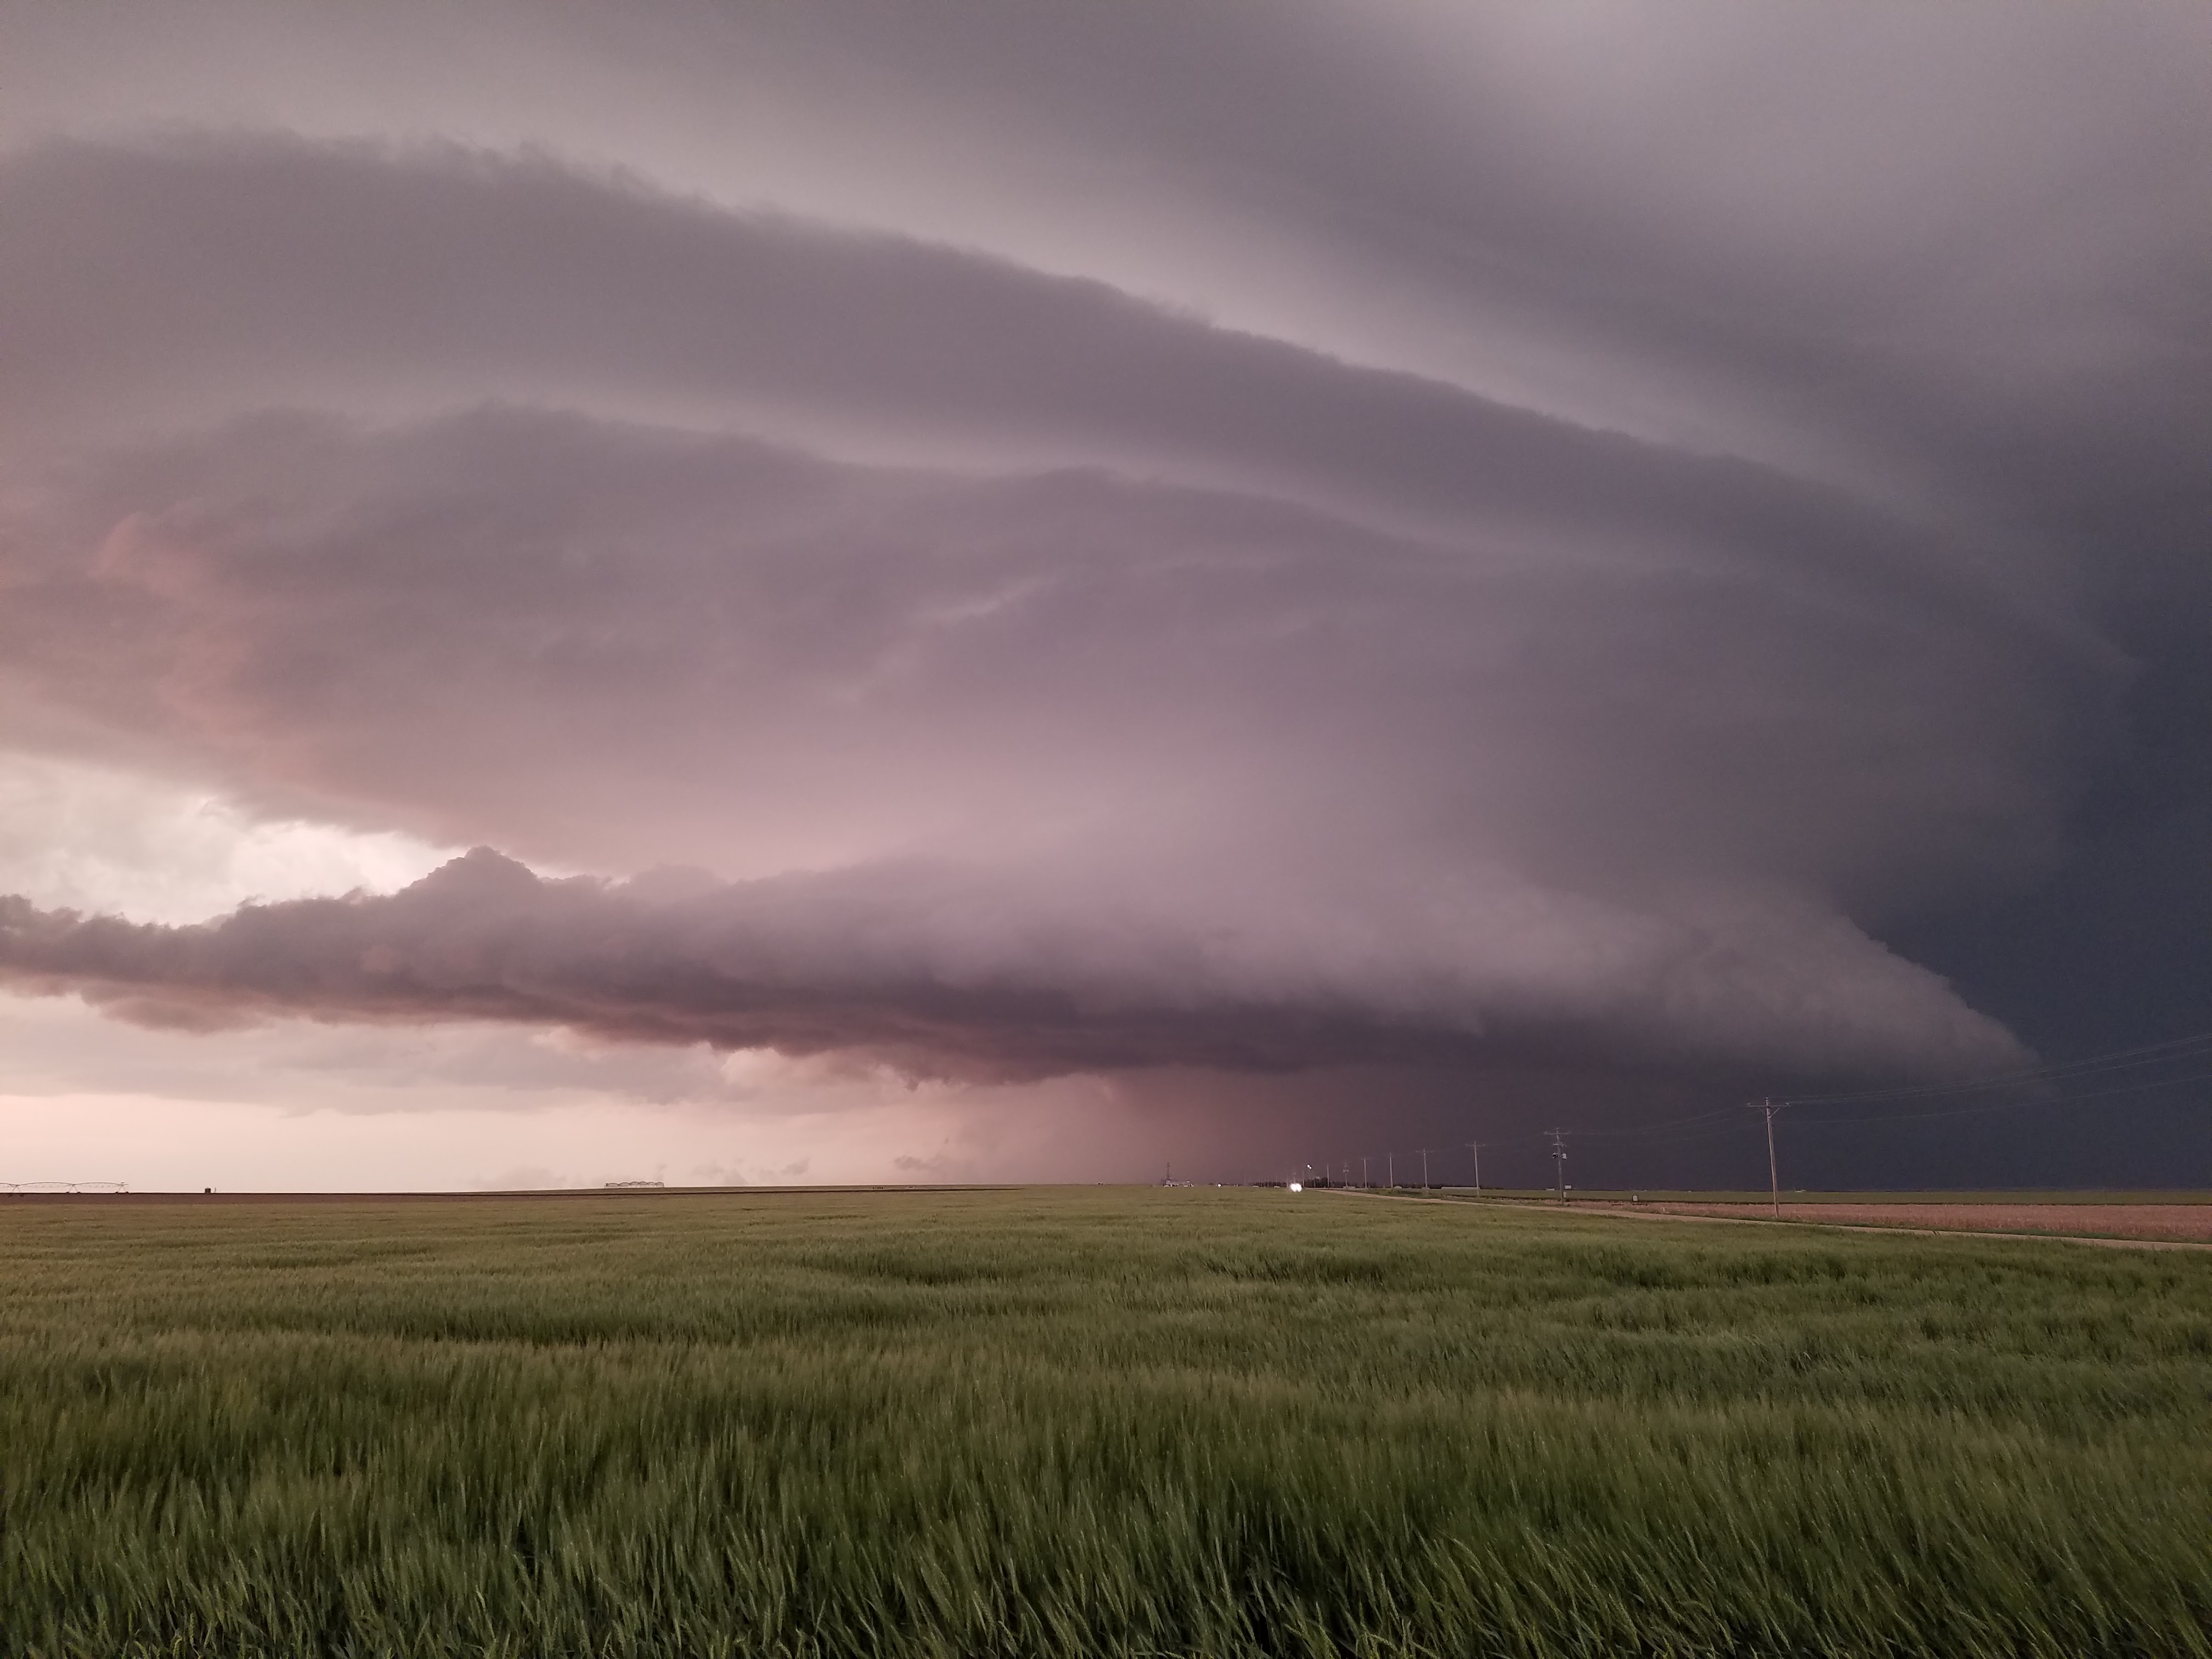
column 1390, row 1170
column 1560, row 1159
column 1364, row 1180
column 1475, row 1146
column 1424, row 1168
column 1773, row 1176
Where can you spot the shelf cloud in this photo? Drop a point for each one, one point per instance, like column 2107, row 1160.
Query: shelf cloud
column 1381, row 578
column 939, row 975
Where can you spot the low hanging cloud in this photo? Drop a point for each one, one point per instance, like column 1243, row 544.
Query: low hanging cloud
column 930, row 971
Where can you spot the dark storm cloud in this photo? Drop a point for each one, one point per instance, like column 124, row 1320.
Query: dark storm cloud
column 1251, row 752
column 1133, row 690
column 157, row 282
column 256, row 270
column 878, row 962
column 467, row 616
column 247, row 269
column 928, row 970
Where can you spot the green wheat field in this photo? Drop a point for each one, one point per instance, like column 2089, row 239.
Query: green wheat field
column 1086, row 1421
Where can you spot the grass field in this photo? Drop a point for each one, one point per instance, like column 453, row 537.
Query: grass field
column 1087, row 1422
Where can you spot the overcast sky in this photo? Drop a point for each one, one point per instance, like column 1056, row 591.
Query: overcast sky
column 869, row 591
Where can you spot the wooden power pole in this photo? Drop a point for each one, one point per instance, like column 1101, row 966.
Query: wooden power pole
column 1774, row 1174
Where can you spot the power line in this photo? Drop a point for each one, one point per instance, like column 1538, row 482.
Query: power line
column 1724, row 1123
column 2120, row 1059
column 1652, row 1128
column 2152, row 1053
column 2005, row 1105
column 1733, row 1127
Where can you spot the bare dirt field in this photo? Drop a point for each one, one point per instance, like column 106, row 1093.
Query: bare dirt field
column 2186, row 1222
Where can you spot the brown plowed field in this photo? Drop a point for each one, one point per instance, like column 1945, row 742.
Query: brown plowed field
column 2190, row 1222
